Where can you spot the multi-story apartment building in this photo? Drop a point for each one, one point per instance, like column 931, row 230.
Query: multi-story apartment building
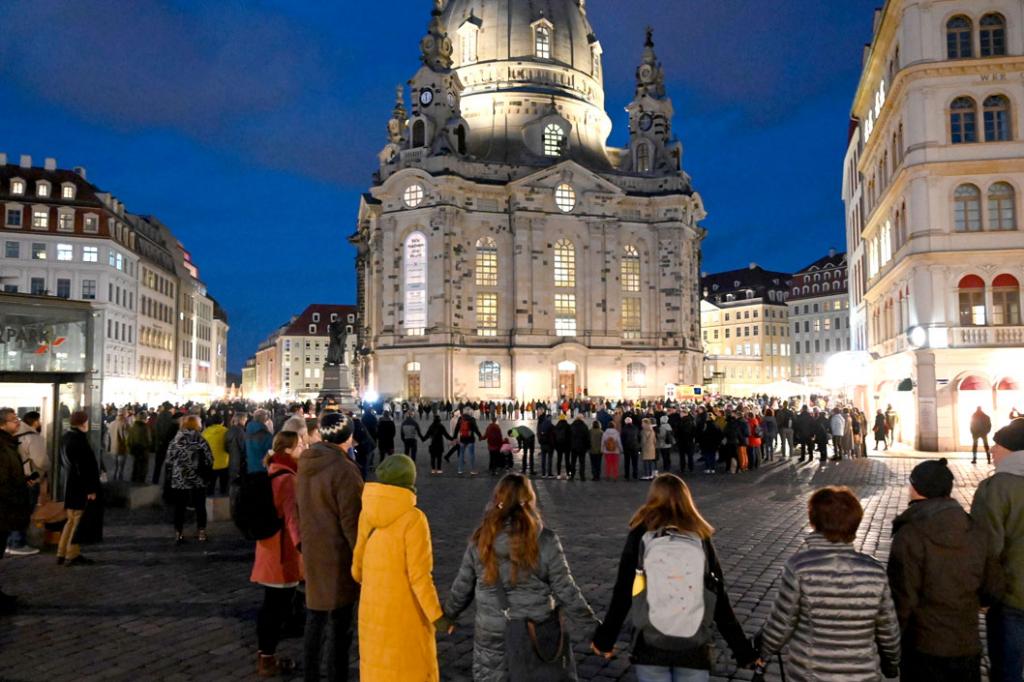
column 932, row 181
column 745, row 329
column 196, row 372
column 219, row 347
column 158, row 295
column 64, row 237
column 819, row 315
column 289, row 363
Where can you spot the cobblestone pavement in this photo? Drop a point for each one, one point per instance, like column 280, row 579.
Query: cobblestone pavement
column 151, row 611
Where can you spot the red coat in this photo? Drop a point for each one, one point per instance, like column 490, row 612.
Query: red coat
column 494, row 436
column 278, row 561
column 753, row 440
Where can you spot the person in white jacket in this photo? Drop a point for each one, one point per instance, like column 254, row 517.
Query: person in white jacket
column 32, row 450
column 837, row 425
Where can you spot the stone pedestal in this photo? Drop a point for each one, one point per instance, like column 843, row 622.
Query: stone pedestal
column 218, row 508
column 338, row 385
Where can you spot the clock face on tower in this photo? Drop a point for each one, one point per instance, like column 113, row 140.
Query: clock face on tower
column 426, row 97
column 646, row 121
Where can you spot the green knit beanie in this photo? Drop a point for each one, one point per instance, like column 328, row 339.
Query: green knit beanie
column 399, row 471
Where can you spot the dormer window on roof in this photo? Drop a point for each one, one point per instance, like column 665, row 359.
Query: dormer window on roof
column 17, row 186
column 554, row 137
column 542, row 41
column 67, row 191
column 42, row 188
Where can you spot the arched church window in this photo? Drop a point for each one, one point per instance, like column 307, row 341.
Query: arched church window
column 490, row 374
column 554, row 137
column 636, row 375
column 643, row 158
column 565, row 263
column 413, row 195
column 486, row 263
column 631, row 270
column 419, row 133
column 460, row 139
column 565, row 198
column 542, row 42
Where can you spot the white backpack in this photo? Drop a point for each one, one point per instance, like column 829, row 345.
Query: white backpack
column 674, row 593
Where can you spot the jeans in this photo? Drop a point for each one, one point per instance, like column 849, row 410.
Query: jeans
column 528, row 447
column 595, row 466
column 579, row 465
column 218, row 480
column 19, row 538
column 340, row 643
column 411, row 444
column 710, row 459
column 119, row 462
column 984, row 440
column 649, row 468
column 496, row 461
column 686, row 457
column 545, row 460
column 631, row 465
column 140, row 460
column 467, row 450
column 195, row 497
column 277, row 606
column 657, row 673
column 66, row 548
column 435, row 458
column 666, row 460
column 786, row 436
column 563, row 456
column 1005, row 643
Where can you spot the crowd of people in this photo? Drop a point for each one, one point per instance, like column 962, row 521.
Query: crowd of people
column 361, row 549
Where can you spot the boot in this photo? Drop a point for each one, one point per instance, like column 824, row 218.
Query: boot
column 266, row 666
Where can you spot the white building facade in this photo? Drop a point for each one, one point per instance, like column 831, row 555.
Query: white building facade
column 506, row 252
column 932, row 185
column 819, row 313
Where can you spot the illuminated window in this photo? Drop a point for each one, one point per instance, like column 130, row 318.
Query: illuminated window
column 17, row 186
column 565, row 198
column 565, row 314
column 542, row 42
column 996, row 115
column 993, row 35
column 972, row 301
column 959, row 39
column 490, row 374
column 486, row 263
column 65, row 252
column 963, row 120
column 413, row 195
column 40, row 218
column 636, row 375
column 39, row 251
column 66, row 222
column 631, row 270
column 554, row 137
column 67, row 191
column 631, row 318
column 42, row 189
column 91, row 224
column 487, row 314
column 565, row 263
column 1001, row 208
column 967, row 209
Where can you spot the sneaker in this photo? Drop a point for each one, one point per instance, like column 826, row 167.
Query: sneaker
column 24, row 550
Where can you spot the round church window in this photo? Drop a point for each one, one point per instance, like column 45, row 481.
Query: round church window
column 413, row 195
column 565, row 198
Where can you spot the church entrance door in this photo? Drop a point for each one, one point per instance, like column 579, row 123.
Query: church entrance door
column 412, row 381
column 566, row 384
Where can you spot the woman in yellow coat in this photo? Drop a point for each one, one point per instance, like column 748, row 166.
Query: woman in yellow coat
column 393, row 561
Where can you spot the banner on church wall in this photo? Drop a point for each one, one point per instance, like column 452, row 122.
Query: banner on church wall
column 415, row 272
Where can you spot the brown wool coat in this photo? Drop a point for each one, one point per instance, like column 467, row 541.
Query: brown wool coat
column 328, row 491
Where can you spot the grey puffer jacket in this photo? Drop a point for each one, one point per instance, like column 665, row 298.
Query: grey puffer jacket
column 835, row 615
column 532, row 597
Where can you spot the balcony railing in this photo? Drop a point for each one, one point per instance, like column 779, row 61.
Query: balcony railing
column 982, row 337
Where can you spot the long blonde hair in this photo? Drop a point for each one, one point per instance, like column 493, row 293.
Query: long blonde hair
column 513, row 508
column 670, row 505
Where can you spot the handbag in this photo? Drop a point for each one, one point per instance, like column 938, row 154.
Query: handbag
column 535, row 651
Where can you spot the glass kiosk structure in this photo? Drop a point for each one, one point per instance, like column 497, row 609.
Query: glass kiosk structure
column 49, row 363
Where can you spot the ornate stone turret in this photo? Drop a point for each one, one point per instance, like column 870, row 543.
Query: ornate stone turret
column 436, row 122
column 652, row 149
column 399, row 118
column 436, row 46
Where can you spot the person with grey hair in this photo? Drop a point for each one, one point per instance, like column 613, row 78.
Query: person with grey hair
column 259, row 440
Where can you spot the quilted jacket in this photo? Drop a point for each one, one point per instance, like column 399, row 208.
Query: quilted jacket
column 530, row 598
column 834, row 615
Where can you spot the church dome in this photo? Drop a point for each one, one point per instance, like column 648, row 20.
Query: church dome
column 519, row 60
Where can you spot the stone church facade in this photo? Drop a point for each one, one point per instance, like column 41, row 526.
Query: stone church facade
column 505, row 251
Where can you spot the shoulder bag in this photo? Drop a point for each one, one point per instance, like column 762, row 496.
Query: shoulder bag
column 535, row 652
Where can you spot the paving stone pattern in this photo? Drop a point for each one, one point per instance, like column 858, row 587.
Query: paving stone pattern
column 152, row 611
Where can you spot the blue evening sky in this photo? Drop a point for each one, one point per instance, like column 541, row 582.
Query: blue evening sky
column 251, row 126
